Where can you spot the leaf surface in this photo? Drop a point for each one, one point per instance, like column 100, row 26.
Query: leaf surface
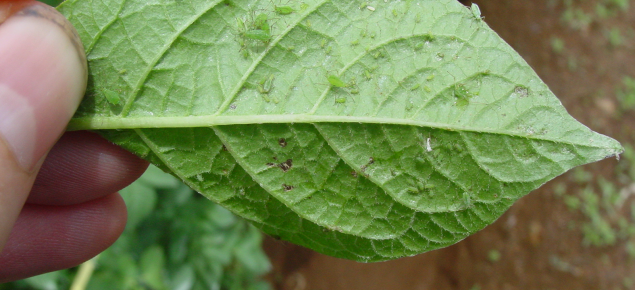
column 366, row 130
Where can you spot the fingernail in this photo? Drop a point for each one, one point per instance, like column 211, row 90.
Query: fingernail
column 42, row 80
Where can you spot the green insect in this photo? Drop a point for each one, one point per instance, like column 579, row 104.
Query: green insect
column 258, row 30
column 266, row 84
column 462, row 95
column 284, row 10
column 112, row 97
column 467, row 200
column 336, row 81
column 260, row 23
column 258, row 34
column 476, row 12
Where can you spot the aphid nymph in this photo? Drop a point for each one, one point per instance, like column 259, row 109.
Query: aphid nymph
column 476, row 12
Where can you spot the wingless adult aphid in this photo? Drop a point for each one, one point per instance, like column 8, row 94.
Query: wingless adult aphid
column 258, row 30
column 284, row 10
column 112, row 97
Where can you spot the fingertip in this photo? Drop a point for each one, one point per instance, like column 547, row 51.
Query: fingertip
column 83, row 166
column 42, row 80
column 50, row 238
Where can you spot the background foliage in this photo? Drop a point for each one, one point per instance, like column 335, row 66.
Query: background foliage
column 174, row 239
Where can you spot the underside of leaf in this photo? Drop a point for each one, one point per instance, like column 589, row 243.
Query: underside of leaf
column 365, row 130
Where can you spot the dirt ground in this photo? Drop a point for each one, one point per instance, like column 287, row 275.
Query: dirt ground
column 538, row 247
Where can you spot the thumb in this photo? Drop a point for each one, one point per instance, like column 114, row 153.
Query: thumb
column 42, row 79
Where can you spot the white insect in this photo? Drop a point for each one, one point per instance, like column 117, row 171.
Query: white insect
column 428, row 147
column 371, row 8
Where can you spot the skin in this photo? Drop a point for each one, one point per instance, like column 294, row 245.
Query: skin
column 58, row 200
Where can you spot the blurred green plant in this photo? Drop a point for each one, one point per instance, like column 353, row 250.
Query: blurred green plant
column 614, row 36
column 576, row 16
column 626, row 94
column 605, row 205
column 557, row 45
column 174, row 239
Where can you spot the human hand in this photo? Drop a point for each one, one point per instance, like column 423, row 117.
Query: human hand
column 59, row 210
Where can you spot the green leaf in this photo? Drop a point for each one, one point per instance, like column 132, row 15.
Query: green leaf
column 368, row 132
column 152, row 265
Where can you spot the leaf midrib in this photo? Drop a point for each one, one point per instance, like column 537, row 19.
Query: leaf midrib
column 116, row 123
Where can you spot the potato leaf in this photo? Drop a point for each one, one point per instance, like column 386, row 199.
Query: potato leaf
column 367, row 130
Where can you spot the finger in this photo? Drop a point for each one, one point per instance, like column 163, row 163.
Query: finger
column 49, row 238
column 42, row 79
column 83, row 166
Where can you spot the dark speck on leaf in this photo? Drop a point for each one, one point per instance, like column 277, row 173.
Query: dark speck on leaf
column 282, row 142
column 285, row 166
column 224, row 147
column 232, row 107
column 354, row 173
column 370, row 162
column 287, row 187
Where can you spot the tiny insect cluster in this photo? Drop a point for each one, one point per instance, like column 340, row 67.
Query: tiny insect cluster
column 337, row 82
column 257, row 28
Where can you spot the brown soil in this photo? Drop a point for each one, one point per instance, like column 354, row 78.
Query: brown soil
column 539, row 249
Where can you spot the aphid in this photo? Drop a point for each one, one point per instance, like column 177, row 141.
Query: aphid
column 284, row 10
column 364, row 5
column 112, row 97
column 266, row 84
column 261, row 23
column 476, row 12
column 258, row 29
column 340, row 100
column 417, row 186
column 336, row 81
column 467, row 200
column 258, row 34
column 368, row 75
column 355, row 42
column 241, row 24
column 462, row 95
